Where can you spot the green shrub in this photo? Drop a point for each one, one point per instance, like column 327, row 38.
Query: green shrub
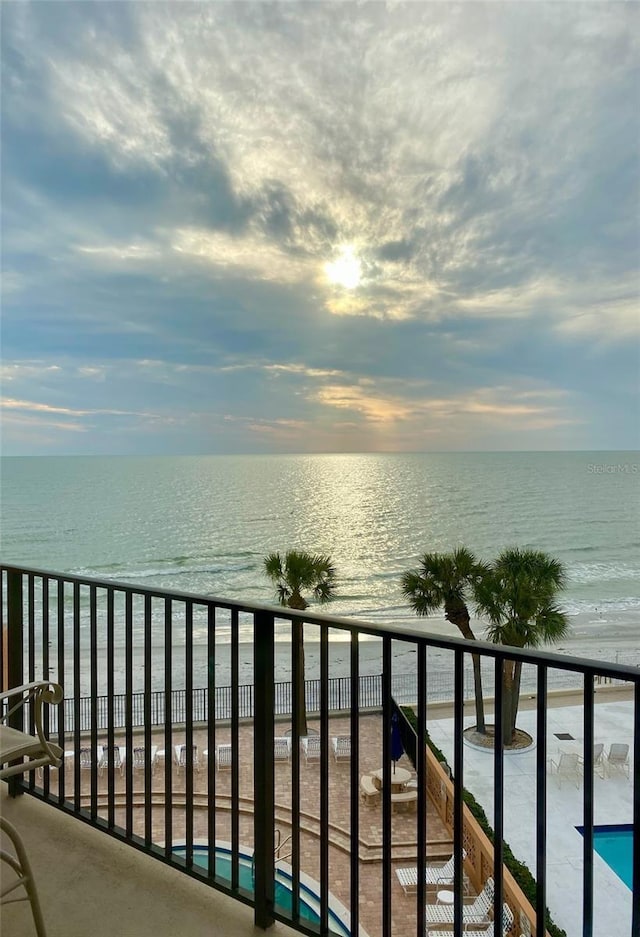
column 518, row 869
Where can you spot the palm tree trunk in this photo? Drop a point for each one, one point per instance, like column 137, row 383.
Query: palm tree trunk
column 515, row 696
column 301, row 705
column 508, row 719
column 299, row 701
column 460, row 618
column 477, row 685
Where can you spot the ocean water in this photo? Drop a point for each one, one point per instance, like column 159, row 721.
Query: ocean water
column 203, row 524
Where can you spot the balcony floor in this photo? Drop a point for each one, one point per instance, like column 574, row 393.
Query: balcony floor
column 90, row 883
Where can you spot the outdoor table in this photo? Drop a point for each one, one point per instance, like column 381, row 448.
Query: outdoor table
column 399, row 778
column 445, row 897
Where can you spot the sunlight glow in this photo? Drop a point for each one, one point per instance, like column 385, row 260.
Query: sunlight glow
column 345, row 270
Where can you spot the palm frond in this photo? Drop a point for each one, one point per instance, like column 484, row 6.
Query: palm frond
column 300, row 572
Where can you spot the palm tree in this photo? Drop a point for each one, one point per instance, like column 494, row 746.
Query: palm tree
column 448, row 580
column 518, row 596
column 294, row 574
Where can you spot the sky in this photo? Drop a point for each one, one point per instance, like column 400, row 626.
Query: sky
column 319, row 227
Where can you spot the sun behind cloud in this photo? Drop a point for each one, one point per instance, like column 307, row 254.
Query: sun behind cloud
column 345, row 270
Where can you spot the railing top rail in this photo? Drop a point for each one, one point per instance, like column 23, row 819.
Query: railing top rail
column 406, row 633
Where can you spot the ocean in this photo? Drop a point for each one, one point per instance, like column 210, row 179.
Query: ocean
column 203, row 524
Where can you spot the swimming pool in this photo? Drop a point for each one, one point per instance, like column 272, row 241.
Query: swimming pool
column 309, row 890
column 615, row 845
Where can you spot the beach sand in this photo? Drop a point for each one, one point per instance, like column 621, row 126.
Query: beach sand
column 616, row 639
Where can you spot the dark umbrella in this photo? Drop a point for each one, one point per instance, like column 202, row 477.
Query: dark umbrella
column 397, row 748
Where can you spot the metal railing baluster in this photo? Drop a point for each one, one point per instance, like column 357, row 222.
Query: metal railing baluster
column 386, row 788
column 148, row 618
column 93, row 658
column 421, row 770
column 354, row 684
column 211, row 738
column 128, row 709
column 263, row 769
column 235, row 748
column 458, row 785
column 498, row 793
column 541, row 800
column 587, row 885
column 110, row 697
column 188, row 717
column 296, row 677
column 168, row 724
column 324, row 779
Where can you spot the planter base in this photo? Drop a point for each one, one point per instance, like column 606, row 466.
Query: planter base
column 523, row 741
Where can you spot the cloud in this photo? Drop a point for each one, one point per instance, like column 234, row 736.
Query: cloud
column 177, row 177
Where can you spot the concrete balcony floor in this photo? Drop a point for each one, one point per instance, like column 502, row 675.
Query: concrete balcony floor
column 91, row 884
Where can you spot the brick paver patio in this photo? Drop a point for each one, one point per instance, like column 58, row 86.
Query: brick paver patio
column 404, row 824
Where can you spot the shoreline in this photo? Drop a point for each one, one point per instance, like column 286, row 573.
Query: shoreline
column 619, row 644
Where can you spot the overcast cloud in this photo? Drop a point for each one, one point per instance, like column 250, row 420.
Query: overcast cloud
column 178, row 179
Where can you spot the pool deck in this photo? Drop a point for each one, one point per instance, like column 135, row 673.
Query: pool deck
column 613, row 804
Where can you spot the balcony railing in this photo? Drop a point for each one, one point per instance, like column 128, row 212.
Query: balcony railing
column 129, row 658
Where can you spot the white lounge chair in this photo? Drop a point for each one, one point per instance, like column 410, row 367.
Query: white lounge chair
column 86, row 761
column 341, row 745
column 30, row 753
column 181, row 757
column 507, row 924
column 475, row 913
column 110, row 755
column 282, row 748
column 139, row 759
column 598, row 759
column 567, row 768
column 618, row 758
column 224, row 756
column 438, row 873
column 310, row 745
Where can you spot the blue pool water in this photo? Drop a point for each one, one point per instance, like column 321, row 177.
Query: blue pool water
column 309, row 901
column 615, row 845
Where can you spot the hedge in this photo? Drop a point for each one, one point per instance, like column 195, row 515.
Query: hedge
column 518, row 869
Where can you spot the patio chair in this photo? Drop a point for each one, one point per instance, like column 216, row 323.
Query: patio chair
column 110, row 755
column 86, row 761
column 567, row 768
column 507, row 924
column 437, row 873
column 598, row 759
column 181, row 757
column 341, row 745
column 311, row 747
column 39, row 752
column 475, row 913
column 139, row 759
column 618, row 758
column 282, row 748
column 224, row 756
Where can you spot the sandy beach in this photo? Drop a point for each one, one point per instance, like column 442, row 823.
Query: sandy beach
column 616, row 640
